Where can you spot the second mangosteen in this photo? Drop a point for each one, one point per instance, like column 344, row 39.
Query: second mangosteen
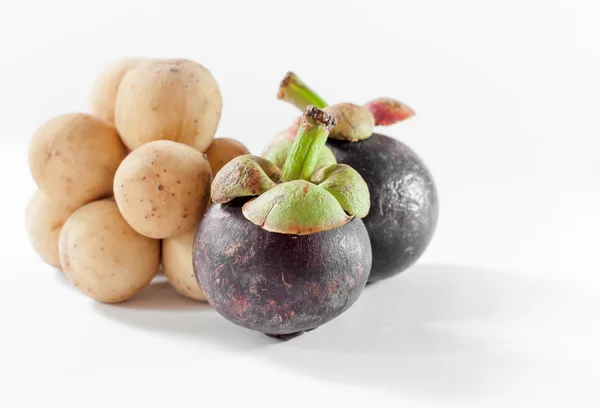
column 404, row 200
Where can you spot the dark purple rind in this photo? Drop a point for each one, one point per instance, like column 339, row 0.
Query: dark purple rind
column 404, row 201
column 278, row 284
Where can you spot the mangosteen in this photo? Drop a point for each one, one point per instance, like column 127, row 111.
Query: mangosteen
column 404, row 201
column 283, row 250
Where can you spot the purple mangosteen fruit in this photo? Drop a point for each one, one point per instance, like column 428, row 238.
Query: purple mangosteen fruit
column 404, row 201
column 284, row 250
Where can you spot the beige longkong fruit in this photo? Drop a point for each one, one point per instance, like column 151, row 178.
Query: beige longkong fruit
column 178, row 266
column 221, row 151
column 45, row 218
column 104, row 91
column 163, row 188
column 103, row 256
column 175, row 100
column 73, row 158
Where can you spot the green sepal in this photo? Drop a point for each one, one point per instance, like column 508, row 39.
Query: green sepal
column 244, row 176
column 347, row 186
column 296, row 207
column 352, row 122
column 298, row 188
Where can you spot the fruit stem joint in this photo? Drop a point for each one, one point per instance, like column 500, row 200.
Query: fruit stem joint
column 312, row 134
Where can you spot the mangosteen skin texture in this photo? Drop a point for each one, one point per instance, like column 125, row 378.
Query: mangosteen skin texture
column 278, row 284
column 404, row 200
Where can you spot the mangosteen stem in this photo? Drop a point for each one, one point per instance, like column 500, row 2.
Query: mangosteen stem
column 304, row 154
column 294, row 91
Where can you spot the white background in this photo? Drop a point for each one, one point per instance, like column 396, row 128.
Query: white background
column 503, row 309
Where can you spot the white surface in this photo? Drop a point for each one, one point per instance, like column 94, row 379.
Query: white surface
column 503, row 309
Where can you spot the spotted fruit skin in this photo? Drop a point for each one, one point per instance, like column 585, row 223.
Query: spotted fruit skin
column 278, row 284
column 404, row 200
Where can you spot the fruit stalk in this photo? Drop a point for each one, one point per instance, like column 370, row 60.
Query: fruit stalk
column 294, row 91
column 312, row 134
column 385, row 111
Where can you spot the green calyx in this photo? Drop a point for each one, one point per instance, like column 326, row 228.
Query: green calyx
column 310, row 193
column 296, row 207
column 353, row 122
column 347, row 186
column 244, row 176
